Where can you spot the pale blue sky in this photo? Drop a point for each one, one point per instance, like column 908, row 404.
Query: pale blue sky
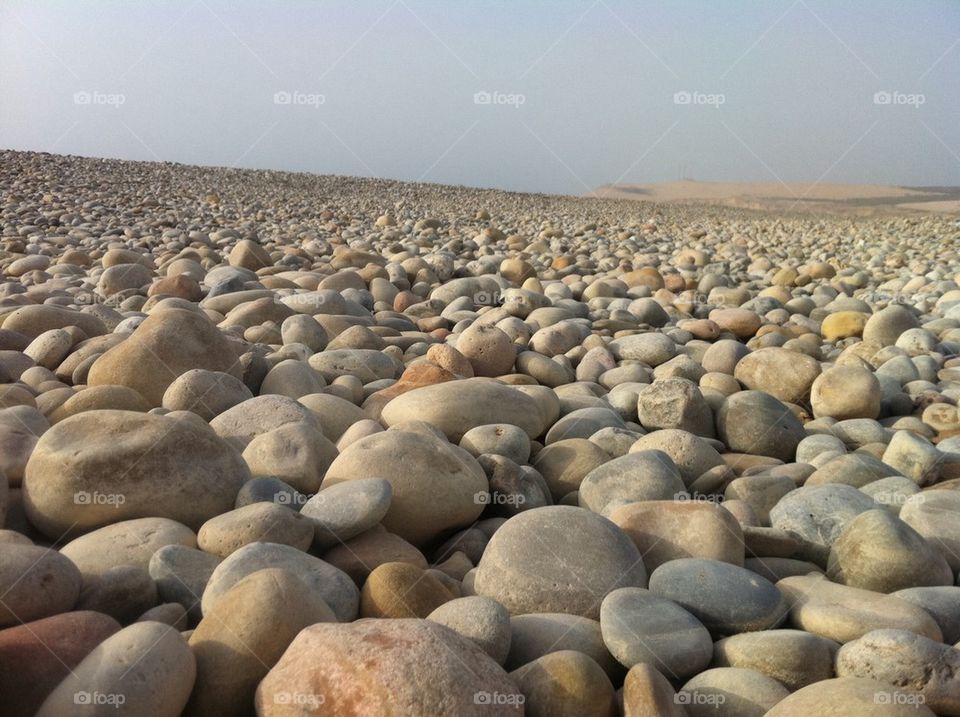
column 386, row 88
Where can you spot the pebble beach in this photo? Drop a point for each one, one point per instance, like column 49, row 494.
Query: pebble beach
column 284, row 444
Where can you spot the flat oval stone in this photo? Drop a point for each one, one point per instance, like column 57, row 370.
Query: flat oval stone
column 843, row 613
column 345, row 510
column 726, row 598
column 456, row 407
column 731, row 692
column 639, row 626
column 102, row 467
column 851, row 697
column 792, row 657
column 257, row 522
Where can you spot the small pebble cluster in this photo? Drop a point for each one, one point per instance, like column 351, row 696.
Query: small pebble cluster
column 297, row 445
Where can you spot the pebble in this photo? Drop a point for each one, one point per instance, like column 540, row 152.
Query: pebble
column 345, row 510
column 36, row 656
column 146, row 668
column 851, row 697
column 327, row 582
column 877, row 551
column 911, row 662
column 591, row 557
column 128, row 542
column 384, row 666
column 296, row 453
column 565, row 683
column 793, row 658
column 846, row 392
column 402, row 590
column 640, row 627
column 537, row 634
column 101, row 467
column 483, row 621
column 820, row 513
column 635, row 477
column 933, row 514
column 843, row 613
column 726, row 598
column 667, row 530
column 436, row 486
column 257, row 522
column 243, row 635
column 504, row 412
column 731, row 691
column 756, row 423
column 166, row 345
column 457, row 407
column 35, row 582
column 786, row 375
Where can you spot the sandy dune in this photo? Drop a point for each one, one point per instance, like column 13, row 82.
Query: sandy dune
column 795, row 196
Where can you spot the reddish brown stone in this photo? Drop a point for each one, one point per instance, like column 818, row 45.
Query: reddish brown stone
column 35, row 657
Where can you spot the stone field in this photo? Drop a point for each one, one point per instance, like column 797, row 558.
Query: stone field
column 284, row 444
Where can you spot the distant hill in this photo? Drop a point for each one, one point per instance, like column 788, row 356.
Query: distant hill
column 862, row 199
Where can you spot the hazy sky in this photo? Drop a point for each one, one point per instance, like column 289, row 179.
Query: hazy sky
column 580, row 93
